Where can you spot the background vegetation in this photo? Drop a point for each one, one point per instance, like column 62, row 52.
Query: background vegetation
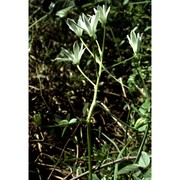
column 57, row 92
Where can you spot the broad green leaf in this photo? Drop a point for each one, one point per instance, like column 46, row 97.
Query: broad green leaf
column 140, row 122
column 147, row 178
column 146, row 104
column 147, row 175
column 128, row 168
column 72, row 121
column 63, row 122
column 144, row 160
column 142, row 128
column 94, row 177
column 145, row 107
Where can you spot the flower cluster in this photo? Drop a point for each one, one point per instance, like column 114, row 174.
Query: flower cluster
column 89, row 25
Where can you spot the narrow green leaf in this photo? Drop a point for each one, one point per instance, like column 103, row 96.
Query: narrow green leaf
column 63, row 131
column 144, row 160
column 68, row 117
column 62, row 59
column 57, row 119
column 85, row 109
column 63, row 12
column 128, row 168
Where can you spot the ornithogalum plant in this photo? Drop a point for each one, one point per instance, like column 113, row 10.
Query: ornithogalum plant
column 88, row 24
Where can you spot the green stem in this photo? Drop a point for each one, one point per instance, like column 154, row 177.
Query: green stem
column 41, row 93
column 93, row 104
column 119, row 155
column 144, row 85
column 85, row 75
column 114, row 39
column 88, row 120
column 89, row 150
column 142, row 143
column 37, row 21
column 126, row 133
column 87, row 47
column 137, row 66
column 126, row 60
column 103, row 43
column 141, row 148
column 115, row 145
column 118, row 120
column 114, row 77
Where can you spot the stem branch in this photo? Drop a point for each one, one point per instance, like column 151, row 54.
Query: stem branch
column 85, row 75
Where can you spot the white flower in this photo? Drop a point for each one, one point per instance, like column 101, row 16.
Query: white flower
column 78, row 52
column 75, row 26
column 74, row 56
column 103, row 13
column 89, row 25
column 135, row 40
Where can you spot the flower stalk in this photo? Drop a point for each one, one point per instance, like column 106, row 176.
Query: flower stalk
column 88, row 25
